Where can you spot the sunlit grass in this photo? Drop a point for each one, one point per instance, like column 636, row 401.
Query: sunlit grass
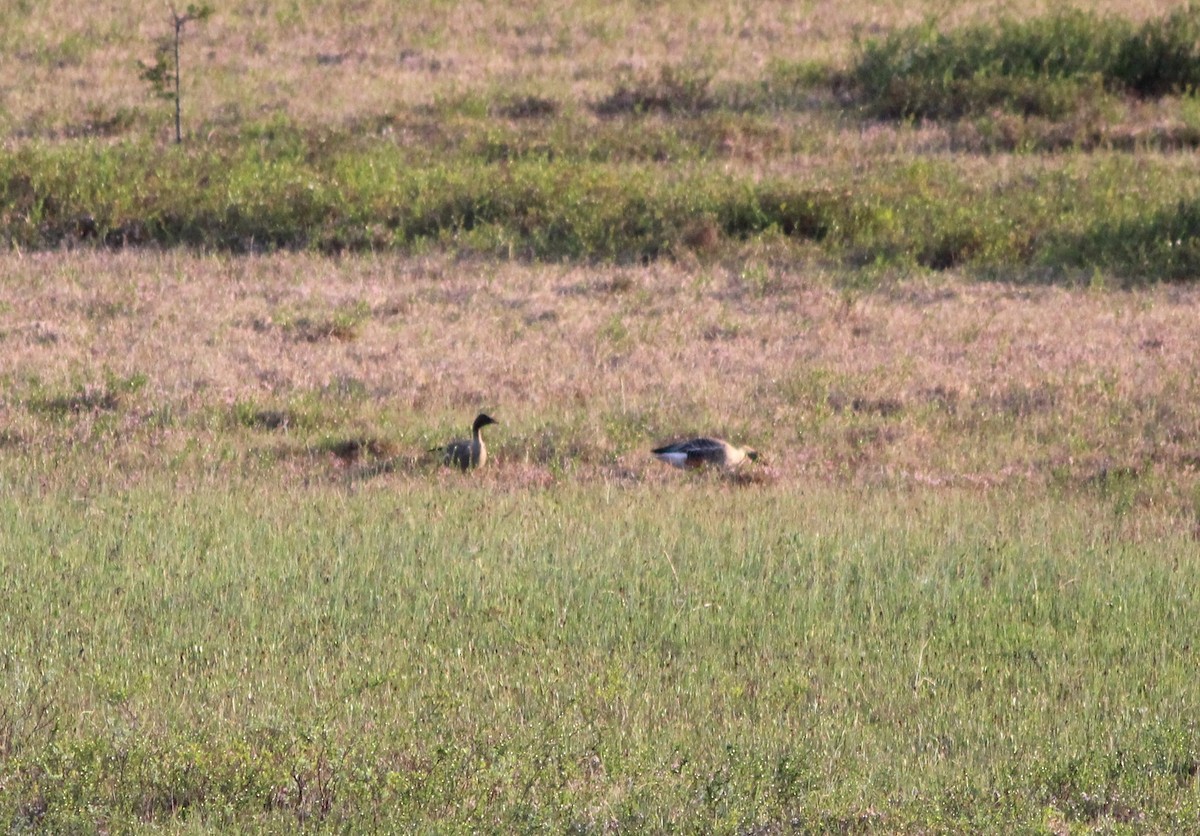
column 703, row 657
column 880, row 163
column 1133, row 217
column 239, row 595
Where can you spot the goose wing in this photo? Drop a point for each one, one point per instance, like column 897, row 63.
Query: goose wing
column 693, row 452
column 456, row 453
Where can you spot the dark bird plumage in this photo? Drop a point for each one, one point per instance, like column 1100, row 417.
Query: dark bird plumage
column 470, row 452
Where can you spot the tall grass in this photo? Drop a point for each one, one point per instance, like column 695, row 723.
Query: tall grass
column 697, row 658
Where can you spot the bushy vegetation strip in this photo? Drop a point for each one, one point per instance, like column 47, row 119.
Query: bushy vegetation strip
column 1046, row 65
column 1137, row 219
column 243, row 201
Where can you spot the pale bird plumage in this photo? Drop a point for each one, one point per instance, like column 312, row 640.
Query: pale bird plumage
column 470, row 452
column 704, row 452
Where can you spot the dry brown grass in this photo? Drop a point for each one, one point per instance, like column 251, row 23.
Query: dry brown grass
column 928, row 383
column 338, row 62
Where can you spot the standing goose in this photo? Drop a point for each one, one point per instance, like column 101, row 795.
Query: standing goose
column 467, row 453
column 701, row 452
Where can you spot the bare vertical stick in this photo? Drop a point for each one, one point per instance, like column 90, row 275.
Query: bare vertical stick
column 179, row 21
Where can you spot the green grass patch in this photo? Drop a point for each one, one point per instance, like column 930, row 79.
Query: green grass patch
column 1165, row 243
column 1049, row 66
column 343, row 324
column 704, row 658
column 1132, row 217
column 246, row 200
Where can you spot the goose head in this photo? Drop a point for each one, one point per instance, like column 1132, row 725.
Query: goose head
column 481, row 421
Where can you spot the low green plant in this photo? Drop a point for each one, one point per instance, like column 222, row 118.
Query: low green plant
column 1048, row 66
column 343, row 324
column 1163, row 56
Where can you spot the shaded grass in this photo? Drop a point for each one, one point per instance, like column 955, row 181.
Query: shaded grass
column 1165, row 242
column 104, row 397
column 675, row 90
column 707, row 658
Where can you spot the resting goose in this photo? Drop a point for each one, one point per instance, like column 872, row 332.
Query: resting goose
column 699, row 452
column 467, row 453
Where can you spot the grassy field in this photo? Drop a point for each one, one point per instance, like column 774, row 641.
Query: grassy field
column 699, row 658
column 239, row 595
column 936, row 263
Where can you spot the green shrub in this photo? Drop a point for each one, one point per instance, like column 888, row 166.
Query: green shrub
column 1163, row 56
column 1047, row 66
